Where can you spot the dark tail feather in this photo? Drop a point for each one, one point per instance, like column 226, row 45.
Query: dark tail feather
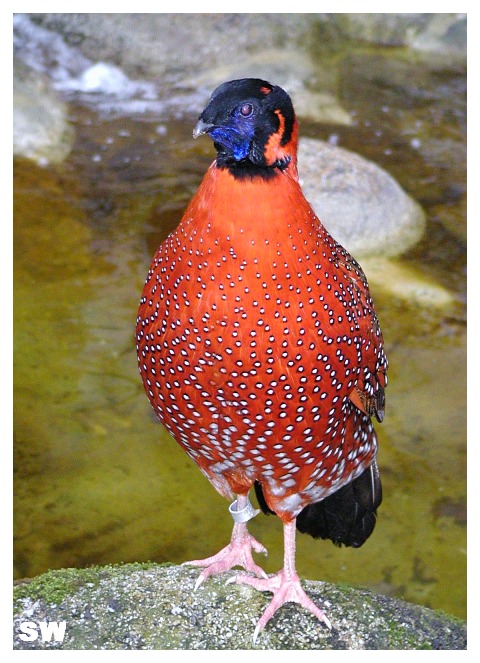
column 347, row 516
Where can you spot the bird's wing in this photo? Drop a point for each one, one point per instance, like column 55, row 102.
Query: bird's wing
column 369, row 393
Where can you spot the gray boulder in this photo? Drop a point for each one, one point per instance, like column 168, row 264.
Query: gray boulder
column 40, row 127
column 360, row 204
column 149, row 606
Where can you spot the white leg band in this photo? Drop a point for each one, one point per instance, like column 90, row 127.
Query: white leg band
column 245, row 514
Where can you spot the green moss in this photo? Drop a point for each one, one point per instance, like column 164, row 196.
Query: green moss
column 398, row 635
column 54, row 586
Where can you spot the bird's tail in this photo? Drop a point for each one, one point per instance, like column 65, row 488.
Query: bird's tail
column 347, row 516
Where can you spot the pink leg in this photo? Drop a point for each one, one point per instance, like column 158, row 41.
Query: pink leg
column 237, row 553
column 285, row 585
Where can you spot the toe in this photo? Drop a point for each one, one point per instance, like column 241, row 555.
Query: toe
column 285, row 590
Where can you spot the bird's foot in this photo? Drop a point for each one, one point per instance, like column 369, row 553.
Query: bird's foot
column 286, row 588
column 237, row 553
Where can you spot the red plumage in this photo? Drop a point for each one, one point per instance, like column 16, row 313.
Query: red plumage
column 258, row 342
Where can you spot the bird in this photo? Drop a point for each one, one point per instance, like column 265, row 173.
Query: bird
column 260, row 348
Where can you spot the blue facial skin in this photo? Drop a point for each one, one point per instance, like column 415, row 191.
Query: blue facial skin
column 236, row 144
column 236, row 136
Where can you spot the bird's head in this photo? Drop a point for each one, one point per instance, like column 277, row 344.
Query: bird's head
column 253, row 127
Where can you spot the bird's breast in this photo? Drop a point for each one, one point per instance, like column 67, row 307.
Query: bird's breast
column 249, row 342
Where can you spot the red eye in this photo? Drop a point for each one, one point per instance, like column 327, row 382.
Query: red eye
column 246, row 110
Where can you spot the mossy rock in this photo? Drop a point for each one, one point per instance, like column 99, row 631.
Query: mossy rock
column 151, row 606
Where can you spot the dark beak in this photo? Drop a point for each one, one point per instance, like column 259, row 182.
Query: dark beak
column 202, row 128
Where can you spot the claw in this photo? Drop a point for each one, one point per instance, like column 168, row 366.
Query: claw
column 256, row 632
column 327, row 622
column 200, row 580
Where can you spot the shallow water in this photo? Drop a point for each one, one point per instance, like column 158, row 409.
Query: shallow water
column 97, row 479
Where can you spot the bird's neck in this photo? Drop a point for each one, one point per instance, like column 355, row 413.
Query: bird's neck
column 252, row 207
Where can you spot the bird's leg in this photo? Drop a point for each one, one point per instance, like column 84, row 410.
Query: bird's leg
column 285, row 585
column 239, row 550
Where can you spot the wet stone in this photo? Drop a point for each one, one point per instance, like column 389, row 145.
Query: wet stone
column 40, row 127
column 359, row 203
